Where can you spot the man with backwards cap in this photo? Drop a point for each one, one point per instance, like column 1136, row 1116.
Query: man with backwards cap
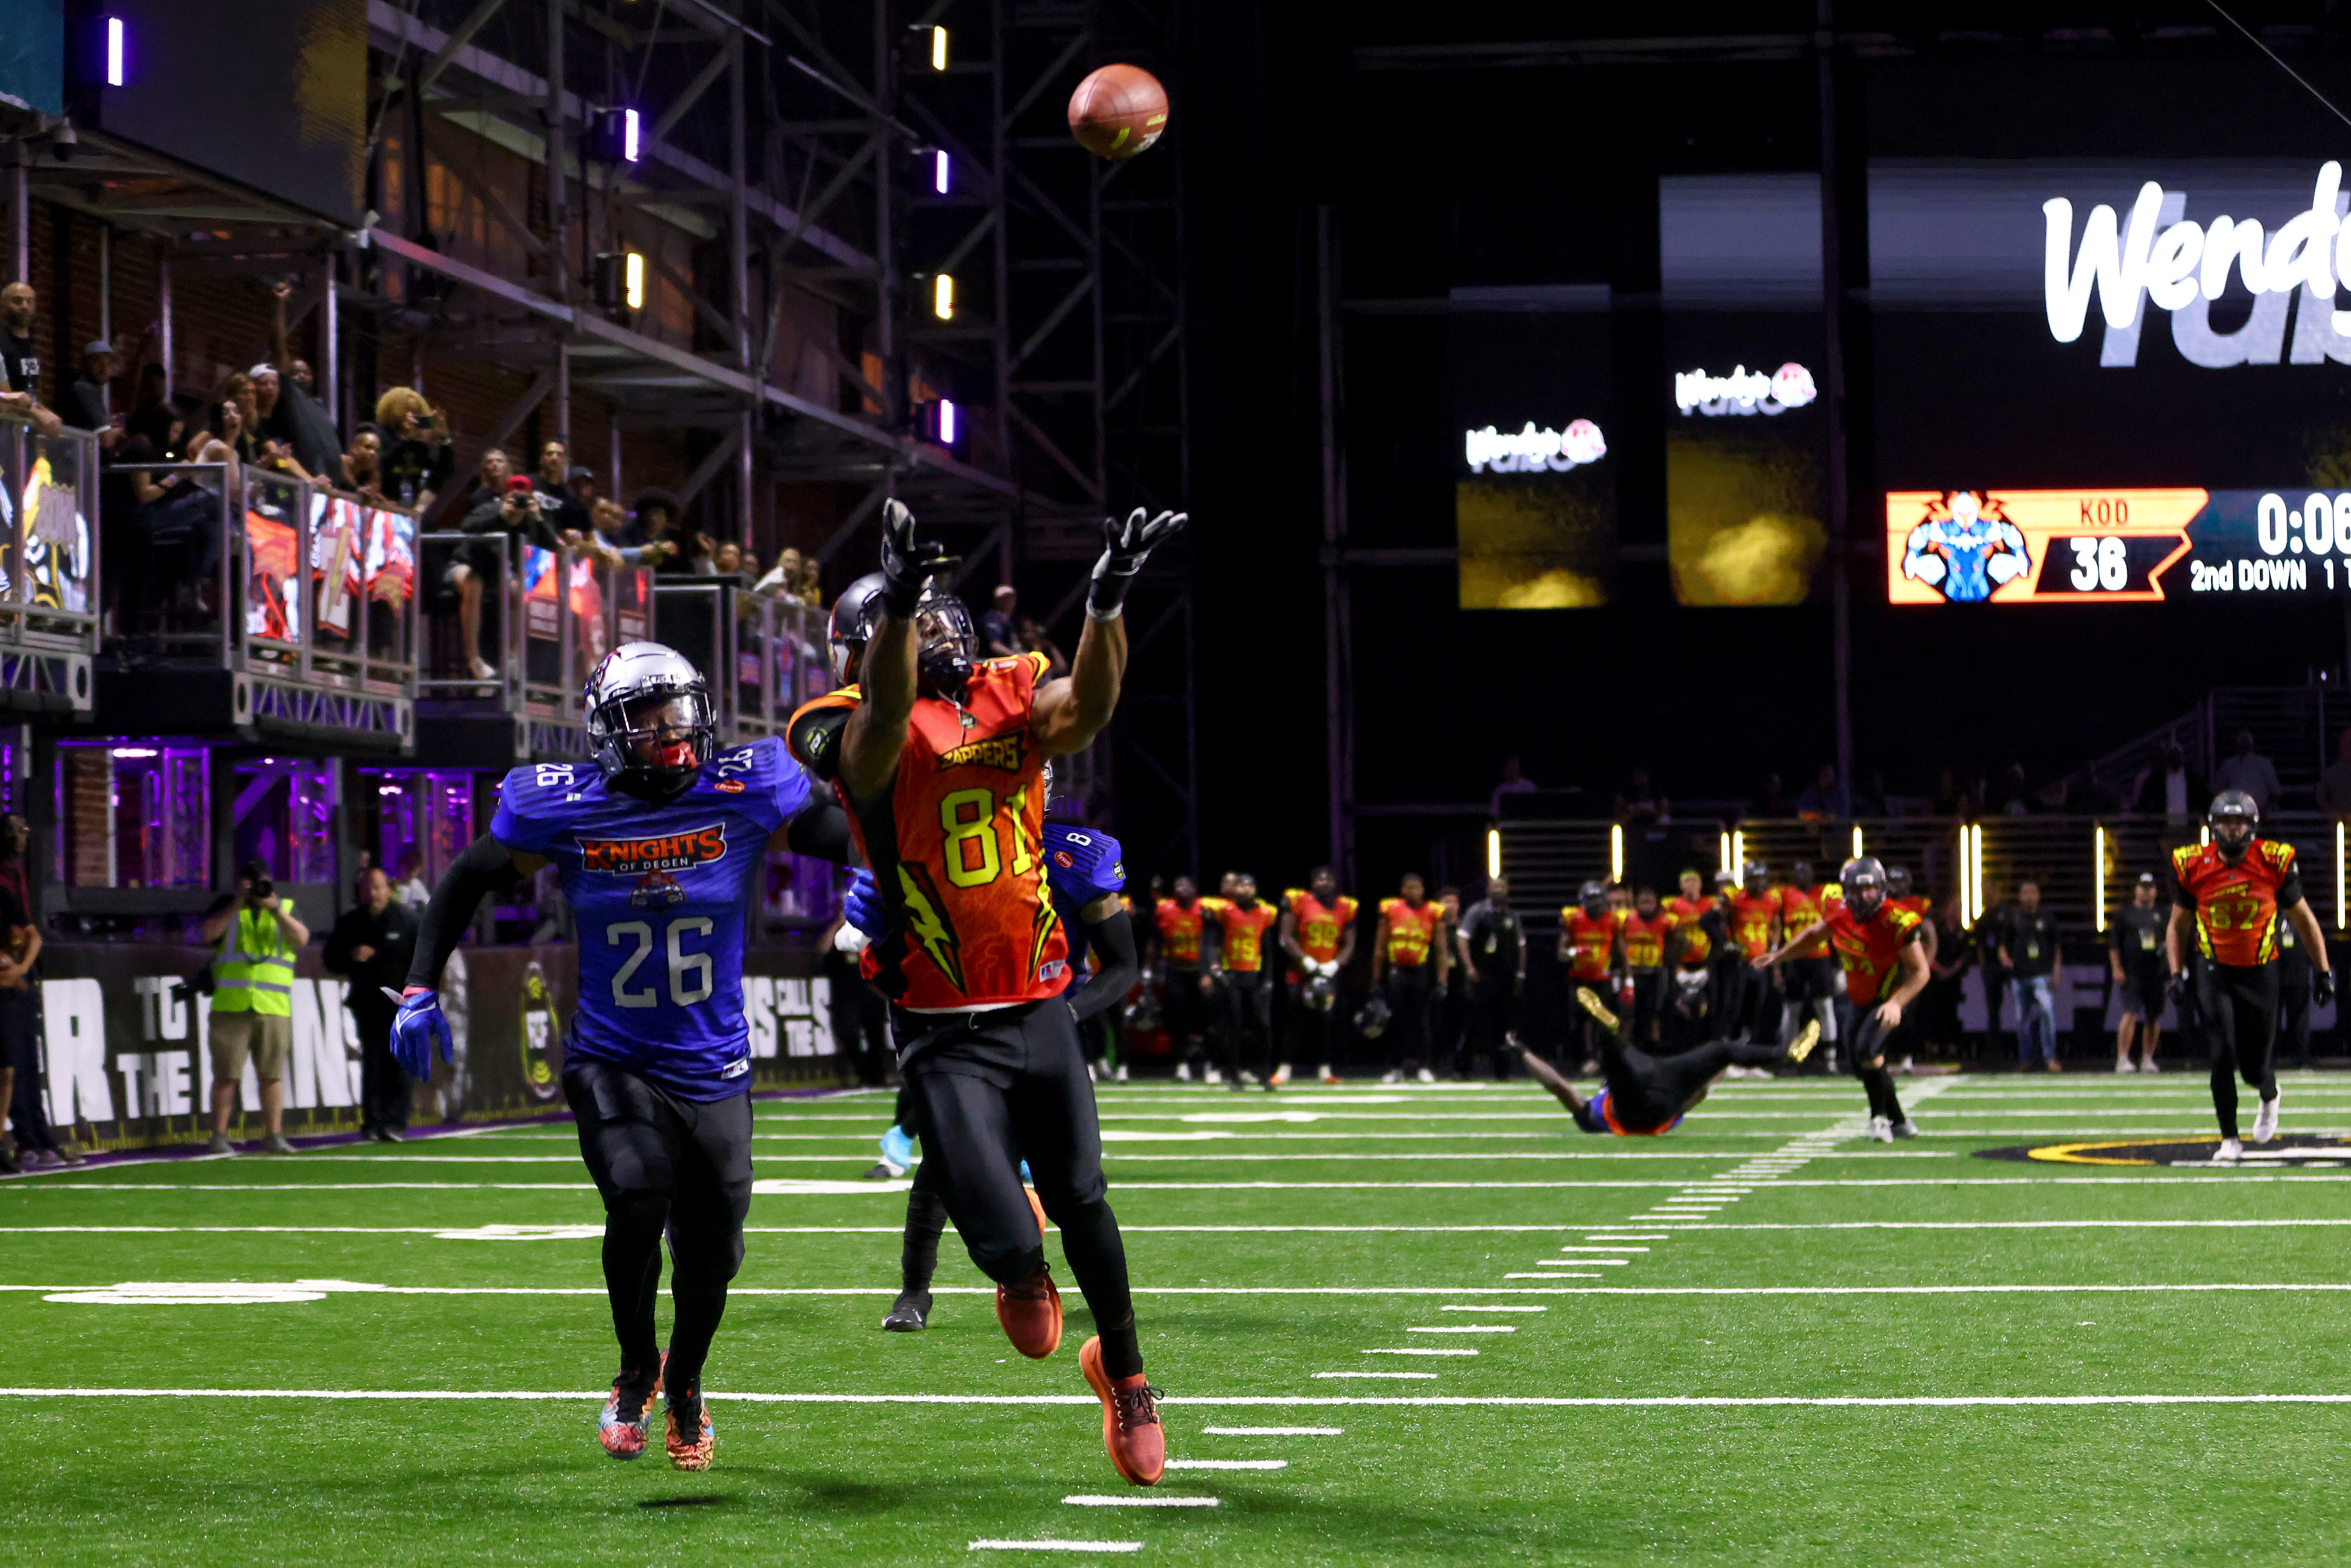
column 2135, row 942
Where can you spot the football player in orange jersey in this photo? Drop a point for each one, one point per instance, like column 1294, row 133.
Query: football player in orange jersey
column 1590, row 945
column 1751, row 906
column 2230, row 892
column 1809, row 986
column 1318, row 932
column 1184, row 959
column 939, row 760
column 1690, row 953
column 1408, row 961
column 1885, row 967
column 1645, row 929
column 1245, row 979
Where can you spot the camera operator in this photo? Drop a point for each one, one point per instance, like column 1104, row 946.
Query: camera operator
column 370, row 946
column 252, row 999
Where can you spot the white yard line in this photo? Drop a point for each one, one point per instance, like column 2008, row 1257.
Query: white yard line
column 1055, row 1546
column 1272, row 1431
column 1227, row 1464
column 1225, row 1401
column 1138, row 1500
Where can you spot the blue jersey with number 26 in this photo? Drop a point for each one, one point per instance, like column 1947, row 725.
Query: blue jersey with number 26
column 658, row 894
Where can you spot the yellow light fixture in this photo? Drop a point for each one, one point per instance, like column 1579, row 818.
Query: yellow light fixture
column 2098, row 879
column 943, row 297
column 1856, row 841
column 1616, row 852
column 938, row 48
column 1738, row 858
column 1493, row 853
column 632, row 282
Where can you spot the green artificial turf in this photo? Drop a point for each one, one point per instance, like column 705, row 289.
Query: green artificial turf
column 1263, row 1253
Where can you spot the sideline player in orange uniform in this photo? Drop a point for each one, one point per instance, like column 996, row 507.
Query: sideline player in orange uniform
column 1752, row 908
column 1183, row 957
column 2232, row 891
column 1590, row 945
column 1689, row 949
column 1408, row 962
column 1245, row 980
column 1318, row 932
column 1644, row 929
column 939, row 760
column 1884, row 966
column 1808, row 985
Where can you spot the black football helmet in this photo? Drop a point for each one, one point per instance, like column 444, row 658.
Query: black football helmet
column 1593, row 897
column 943, row 626
column 1864, row 882
column 2233, row 818
column 1897, row 881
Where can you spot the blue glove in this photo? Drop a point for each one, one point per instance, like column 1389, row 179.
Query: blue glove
column 863, row 903
column 416, row 1028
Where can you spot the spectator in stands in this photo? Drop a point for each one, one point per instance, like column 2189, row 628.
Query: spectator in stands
column 295, row 416
column 608, row 539
column 2014, row 795
column 656, row 516
column 996, row 637
column 1642, row 802
column 153, row 415
column 2334, row 784
column 1824, row 798
column 2169, row 788
column 726, row 560
column 20, row 365
column 1870, row 800
column 2249, row 770
column 84, row 400
column 2028, row 950
column 812, row 583
column 783, row 579
column 224, row 439
column 550, row 488
column 500, row 508
column 362, row 464
column 252, row 999
column 418, row 461
column 370, row 946
column 1770, row 798
column 1514, row 782
column 1029, row 638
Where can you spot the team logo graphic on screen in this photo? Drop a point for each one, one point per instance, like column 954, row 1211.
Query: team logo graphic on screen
column 1964, row 547
column 672, row 851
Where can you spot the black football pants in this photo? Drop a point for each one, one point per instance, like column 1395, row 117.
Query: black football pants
column 1648, row 1091
column 1247, row 998
column 2240, row 1007
column 1411, row 993
column 1866, row 1043
column 990, row 1090
column 663, row 1164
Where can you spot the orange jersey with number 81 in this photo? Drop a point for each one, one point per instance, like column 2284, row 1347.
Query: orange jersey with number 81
column 955, row 849
column 2236, row 906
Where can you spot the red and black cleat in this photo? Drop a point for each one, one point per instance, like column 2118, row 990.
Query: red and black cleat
column 625, row 1420
column 1032, row 1315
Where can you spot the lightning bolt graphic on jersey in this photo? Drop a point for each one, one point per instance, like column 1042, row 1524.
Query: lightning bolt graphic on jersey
column 926, row 925
column 1046, row 921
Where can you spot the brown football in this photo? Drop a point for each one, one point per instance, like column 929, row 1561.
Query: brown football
column 1118, row 111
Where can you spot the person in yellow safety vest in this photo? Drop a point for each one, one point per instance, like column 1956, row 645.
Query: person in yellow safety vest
column 252, row 999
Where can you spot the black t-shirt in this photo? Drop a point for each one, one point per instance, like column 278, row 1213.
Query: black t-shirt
column 2032, row 943
column 12, row 910
column 20, row 363
column 2137, row 936
column 2292, row 956
column 1493, row 935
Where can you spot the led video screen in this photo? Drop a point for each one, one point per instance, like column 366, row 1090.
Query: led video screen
column 1534, row 493
column 1746, row 436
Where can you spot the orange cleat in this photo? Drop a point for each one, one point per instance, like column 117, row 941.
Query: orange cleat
column 1036, row 1208
column 623, row 1437
column 686, row 1456
column 1032, row 1315
column 1131, row 1429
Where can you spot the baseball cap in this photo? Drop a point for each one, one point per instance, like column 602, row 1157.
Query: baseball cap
column 97, row 346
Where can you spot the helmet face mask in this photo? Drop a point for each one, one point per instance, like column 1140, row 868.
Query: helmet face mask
column 2233, row 818
column 1863, row 881
column 943, row 630
column 651, row 725
column 1594, row 898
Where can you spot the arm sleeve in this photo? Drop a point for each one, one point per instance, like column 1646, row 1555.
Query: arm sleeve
column 486, row 866
column 2289, row 892
column 821, row 831
column 1120, row 968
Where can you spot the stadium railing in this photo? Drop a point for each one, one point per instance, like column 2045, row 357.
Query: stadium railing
column 764, row 656
column 309, row 627
column 2085, row 866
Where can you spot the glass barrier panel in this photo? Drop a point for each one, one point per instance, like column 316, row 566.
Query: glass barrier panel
column 54, row 556
column 591, row 618
column 274, row 598
column 542, row 621
column 388, row 573
column 337, row 581
column 690, row 618
column 632, row 604
column 755, row 683
column 450, row 661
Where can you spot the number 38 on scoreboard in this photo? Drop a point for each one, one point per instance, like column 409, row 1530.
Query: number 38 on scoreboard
column 2118, row 545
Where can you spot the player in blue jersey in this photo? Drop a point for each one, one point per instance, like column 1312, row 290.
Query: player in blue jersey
column 658, row 841
column 1085, row 871
column 1646, row 1095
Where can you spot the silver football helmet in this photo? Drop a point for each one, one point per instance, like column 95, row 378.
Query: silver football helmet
column 649, row 715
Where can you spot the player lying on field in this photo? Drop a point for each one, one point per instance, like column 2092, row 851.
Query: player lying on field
column 1646, row 1094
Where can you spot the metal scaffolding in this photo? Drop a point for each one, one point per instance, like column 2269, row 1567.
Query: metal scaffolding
column 805, row 172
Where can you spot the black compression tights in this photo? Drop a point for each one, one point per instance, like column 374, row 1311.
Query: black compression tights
column 1868, row 1040
column 2239, row 1008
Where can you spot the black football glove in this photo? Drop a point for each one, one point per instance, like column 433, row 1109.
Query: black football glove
column 908, row 561
column 1125, row 547
column 2322, row 988
column 2182, row 994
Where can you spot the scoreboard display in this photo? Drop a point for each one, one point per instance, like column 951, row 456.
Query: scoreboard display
column 2114, row 546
